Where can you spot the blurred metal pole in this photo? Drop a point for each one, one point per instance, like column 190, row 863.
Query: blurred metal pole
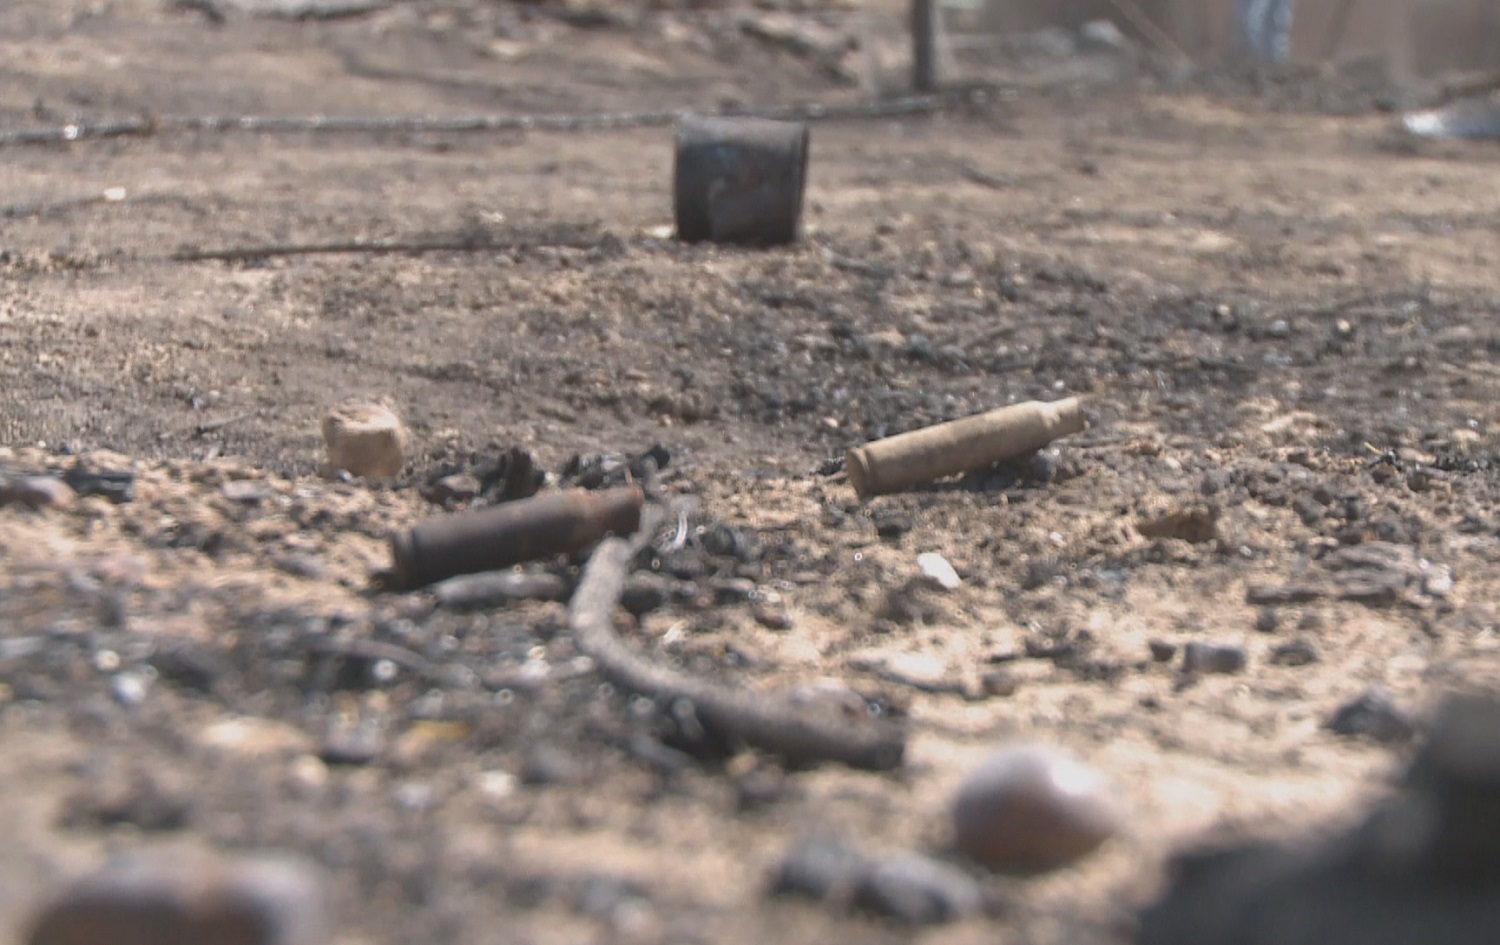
column 1158, row 37
column 924, row 45
column 1335, row 36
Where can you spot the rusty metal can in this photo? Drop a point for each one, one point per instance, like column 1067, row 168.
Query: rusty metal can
column 503, row 535
column 740, row 180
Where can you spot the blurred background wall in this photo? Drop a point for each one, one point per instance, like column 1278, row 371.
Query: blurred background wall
column 1420, row 37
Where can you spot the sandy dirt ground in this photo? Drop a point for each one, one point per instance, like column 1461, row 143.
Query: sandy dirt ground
column 1276, row 309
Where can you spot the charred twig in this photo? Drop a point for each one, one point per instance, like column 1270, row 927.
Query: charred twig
column 783, row 730
column 984, row 178
column 477, row 124
column 459, row 244
column 213, row 426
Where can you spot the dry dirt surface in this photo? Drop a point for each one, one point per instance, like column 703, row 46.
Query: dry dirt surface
column 1278, row 317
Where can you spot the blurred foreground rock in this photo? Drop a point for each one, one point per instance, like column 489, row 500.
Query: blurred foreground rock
column 1423, row 867
column 189, row 899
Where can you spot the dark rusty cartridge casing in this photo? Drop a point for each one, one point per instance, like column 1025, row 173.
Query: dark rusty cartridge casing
column 739, row 180
column 503, row 535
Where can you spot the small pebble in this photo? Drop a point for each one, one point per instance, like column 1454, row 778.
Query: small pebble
column 189, row 898
column 999, row 682
column 1267, row 620
column 729, row 590
column 1294, row 653
column 115, row 485
column 1030, row 807
column 131, row 689
column 770, row 612
column 645, row 592
column 1312, row 620
column 1162, row 651
column 111, row 609
column 1102, row 34
column 918, row 890
column 245, row 491
column 300, row 565
column 820, row 869
column 459, row 487
column 1373, row 715
column 352, row 745
column 1200, row 657
column 495, row 785
column 416, row 796
column 1438, row 582
column 548, row 765
column 935, row 567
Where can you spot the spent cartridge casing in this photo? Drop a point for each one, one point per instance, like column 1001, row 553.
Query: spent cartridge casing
column 958, row 446
column 503, row 535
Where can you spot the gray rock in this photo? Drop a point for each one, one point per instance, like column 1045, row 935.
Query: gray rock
column 820, row 869
column 547, row 765
column 918, row 890
column 246, row 491
column 1098, row 35
column 1438, row 582
column 163, row 899
column 352, row 745
column 1162, row 651
column 1054, row 42
column 302, row 9
column 1423, row 867
column 999, row 682
column 36, row 492
column 493, row 588
column 1201, row 657
column 729, row 590
column 1373, row 715
column 459, row 487
column 1297, row 652
column 772, row 613
column 300, row 565
column 645, row 591
column 130, row 689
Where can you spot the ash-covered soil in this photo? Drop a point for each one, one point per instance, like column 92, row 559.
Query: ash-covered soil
column 1278, row 319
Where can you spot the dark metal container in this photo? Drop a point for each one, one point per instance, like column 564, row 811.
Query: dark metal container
column 739, row 180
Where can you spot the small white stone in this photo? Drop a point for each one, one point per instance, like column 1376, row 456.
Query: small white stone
column 366, row 440
column 495, row 784
column 254, row 737
column 1438, row 582
column 936, row 567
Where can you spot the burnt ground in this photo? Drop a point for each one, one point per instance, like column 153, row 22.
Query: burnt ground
column 1276, row 309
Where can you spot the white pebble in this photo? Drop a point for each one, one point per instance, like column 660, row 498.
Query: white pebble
column 936, row 567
